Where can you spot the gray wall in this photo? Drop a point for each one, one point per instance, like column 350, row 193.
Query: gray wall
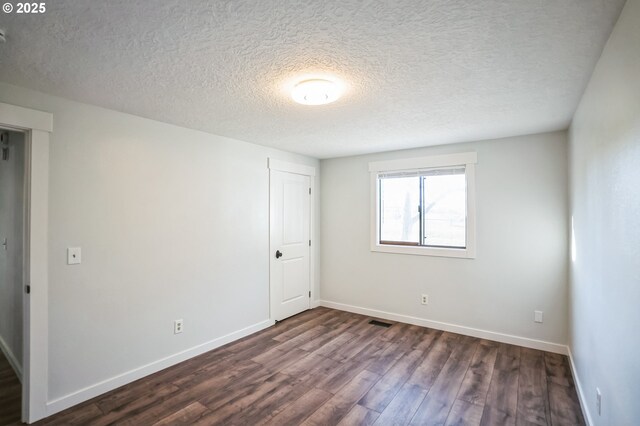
column 173, row 223
column 521, row 263
column 605, row 189
column 11, row 269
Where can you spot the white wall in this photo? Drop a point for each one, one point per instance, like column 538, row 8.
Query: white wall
column 521, row 263
column 173, row 223
column 605, row 190
column 11, row 268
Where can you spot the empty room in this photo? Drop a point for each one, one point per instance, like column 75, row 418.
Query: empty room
column 234, row 212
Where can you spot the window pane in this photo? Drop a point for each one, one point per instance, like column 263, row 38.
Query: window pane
column 399, row 214
column 445, row 210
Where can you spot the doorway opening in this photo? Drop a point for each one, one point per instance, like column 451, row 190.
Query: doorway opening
column 36, row 128
column 13, row 190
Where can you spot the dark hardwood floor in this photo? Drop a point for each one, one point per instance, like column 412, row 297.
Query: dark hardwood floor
column 10, row 393
column 327, row 367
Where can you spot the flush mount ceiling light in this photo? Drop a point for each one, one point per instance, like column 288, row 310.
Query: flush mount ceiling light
column 316, row 91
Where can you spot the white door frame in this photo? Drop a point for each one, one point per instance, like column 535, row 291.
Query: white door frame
column 37, row 126
column 300, row 169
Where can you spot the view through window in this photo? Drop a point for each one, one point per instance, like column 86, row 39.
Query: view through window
column 423, row 208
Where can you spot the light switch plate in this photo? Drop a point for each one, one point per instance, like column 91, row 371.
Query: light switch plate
column 537, row 316
column 74, row 255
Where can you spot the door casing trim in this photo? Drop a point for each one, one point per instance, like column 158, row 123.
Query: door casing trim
column 37, row 126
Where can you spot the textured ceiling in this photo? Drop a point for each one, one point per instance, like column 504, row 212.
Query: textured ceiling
column 418, row 72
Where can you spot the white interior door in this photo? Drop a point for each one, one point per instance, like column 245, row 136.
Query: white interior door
column 290, row 211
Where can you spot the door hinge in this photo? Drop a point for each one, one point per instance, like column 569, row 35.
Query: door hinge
column 309, row 243
column 309, row 294
column 309, row 191
column 27, row 289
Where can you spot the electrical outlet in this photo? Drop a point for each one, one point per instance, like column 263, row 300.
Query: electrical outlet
column 424, row 299
column 599, row 401
column 537, row 316
column 178, row 326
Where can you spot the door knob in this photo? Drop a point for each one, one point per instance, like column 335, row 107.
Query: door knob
column 278, row 254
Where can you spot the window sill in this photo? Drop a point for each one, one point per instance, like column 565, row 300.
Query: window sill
column 467, row 253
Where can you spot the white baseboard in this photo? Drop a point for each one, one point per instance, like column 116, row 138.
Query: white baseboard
column 467, row 331
column 8, row 353
column 583, row 402
column 92, row 391
column 315, row 304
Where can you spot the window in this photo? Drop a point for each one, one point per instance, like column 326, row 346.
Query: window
column 424, row 205
column 426, row 209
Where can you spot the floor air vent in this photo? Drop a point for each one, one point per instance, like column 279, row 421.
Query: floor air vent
column 380, row 323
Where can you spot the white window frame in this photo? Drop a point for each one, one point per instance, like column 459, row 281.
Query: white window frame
column 466, row 159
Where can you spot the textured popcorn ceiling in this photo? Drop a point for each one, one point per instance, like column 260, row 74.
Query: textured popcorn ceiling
column 419, row 72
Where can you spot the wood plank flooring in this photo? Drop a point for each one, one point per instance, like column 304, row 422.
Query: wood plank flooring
column 10, row 394
column 327, row 367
